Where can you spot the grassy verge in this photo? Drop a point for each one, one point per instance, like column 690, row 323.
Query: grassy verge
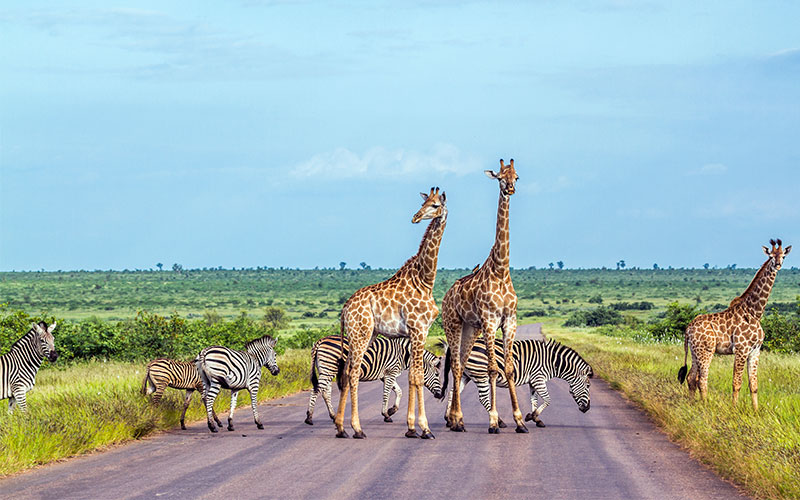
column 760, row 451
column 94, row 404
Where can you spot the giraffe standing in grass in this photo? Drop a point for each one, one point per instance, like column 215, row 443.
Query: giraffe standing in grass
column 480, row 303
column 736, row 330
column 401, row 306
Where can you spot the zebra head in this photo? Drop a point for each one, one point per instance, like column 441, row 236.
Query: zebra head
column 45, row 344
column 264, row 350
column 579, row 386
column 431, row 364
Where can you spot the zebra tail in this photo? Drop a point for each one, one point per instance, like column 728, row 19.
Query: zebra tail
column 314, row 379
column 447, row 362
column 144, row 382
column 682, row 371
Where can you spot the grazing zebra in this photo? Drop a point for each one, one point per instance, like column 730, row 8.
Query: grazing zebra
column 162, row 373
column 223, row 368
column 19, row 365
column 384, row 360
column 535, row 362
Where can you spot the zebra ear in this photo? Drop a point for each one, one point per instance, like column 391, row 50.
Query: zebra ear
column 52, row 327
column 38, row 329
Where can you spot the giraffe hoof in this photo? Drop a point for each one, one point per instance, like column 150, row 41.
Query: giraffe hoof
column 521, row 429
column 494, row 430
column 342, row 434
column 259, row 425
column 391, row 411
column 501, row 424
column 387, row 419
column 529, row 417
column 309, row 421
column 458, row 428
column 428, row 435
column 359, row 435
column 539, row 423
column 412, row 434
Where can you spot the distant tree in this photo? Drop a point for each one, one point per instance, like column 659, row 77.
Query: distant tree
column 705, row 266
column 342, row 265
column 655, row 266
column 551, row 265
column 560, row 264
column 364, row 265
column 160, row 266
column 177, row 267
column 621, row 264
column 275, row 318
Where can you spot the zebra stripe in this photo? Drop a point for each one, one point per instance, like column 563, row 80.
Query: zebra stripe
column 384, row 360
column 18, row 367
column 162, row 373
column 223, row 368
column 535, row 362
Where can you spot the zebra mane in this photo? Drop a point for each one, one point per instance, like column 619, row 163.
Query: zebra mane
column 558, row 346
column 266, row 338
column 31, row 332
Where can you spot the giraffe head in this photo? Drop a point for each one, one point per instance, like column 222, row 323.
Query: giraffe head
column 507, row 177
column 777, row 252
column 433, row 205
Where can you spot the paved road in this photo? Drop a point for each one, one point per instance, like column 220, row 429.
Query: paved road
column 611, row 452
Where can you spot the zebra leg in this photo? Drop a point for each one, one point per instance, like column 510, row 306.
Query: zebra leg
column 752, row 375
column 12, row 402
column 254, row 404
column 539, row 387
column 398, row 395
column 202, row 391
column 186, row 401
column 158, row 393
column 312, row 400
column 388, row 383
column 326, row 396
column 529, row 416
column 234, row 396
column 211, row 391
column 509, row 327
column 20, row 397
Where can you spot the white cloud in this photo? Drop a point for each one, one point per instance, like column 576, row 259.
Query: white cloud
column 382, row 162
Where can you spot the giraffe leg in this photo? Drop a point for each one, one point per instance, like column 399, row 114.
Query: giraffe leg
column 415, row 383
column 465, row 340
column 752, row 375
column 353, row 377
column 691, row 379
column 338, row 420
column 493, row 372
column 739, row 362
column 509, row 327
column 702, row 375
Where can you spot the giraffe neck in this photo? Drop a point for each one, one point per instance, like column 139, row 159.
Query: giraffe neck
column 428, row 254
column 754, row 299
column 499, row 256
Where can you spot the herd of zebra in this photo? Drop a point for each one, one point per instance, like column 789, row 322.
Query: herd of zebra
column 217, row 367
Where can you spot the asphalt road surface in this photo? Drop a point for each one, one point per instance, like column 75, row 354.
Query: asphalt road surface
column 611, row 452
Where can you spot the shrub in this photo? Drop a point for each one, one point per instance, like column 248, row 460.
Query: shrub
column 781, row 332
column 596, row 299
column 595, row 317
column 673, row 322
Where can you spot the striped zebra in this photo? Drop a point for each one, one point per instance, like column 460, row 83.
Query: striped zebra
column 162, row 373
column 223, row 368
column 384, row 360
column 535, row 362
column 19, row 365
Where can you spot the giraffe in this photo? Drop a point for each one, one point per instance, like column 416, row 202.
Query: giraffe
column 402, row 306
column 736, row 330
column 480, row 303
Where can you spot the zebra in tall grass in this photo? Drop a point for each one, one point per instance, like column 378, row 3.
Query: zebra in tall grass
column 384, row 360
column 535, row 362
column 162, row 373
column 19, row 365
column 223, row 368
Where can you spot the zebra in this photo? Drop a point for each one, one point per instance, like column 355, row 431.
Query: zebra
column 384, row 360
column 535, row 362
column 19, row 365
column 162, row 373
column 223, row 368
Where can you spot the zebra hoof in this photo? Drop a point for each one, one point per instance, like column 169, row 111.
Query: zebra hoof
column 342, row 434
column 494, row 430
column 259, row 425
column 359, row 435
column 230, row 427
column 428, row 435
column 501, row 424
column 309, row 421
column 183, row 426
column 539, row 423
column 412, row 434
column 521, row 429
column 391, row 411
column 387, row 419
column 212, row 428
column 529, row 417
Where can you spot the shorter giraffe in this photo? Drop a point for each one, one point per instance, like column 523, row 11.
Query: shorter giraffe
column 736, row 330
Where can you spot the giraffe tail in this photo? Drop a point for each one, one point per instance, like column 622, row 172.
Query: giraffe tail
column 340, row 371
column 682, row 371
column 447, row 363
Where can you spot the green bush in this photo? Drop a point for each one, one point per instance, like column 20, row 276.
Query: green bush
column 781, row 332
column 595, row 317
column 673, row 322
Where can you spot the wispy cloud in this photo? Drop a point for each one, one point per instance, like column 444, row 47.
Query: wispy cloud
column 710, row 169
column 382, row 162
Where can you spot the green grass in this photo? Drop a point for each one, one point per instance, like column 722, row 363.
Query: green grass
column 760, row 451
column 90, row 405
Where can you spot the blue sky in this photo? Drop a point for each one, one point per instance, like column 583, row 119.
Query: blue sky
column 283, row 133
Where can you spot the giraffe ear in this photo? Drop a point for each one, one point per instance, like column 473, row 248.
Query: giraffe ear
column 490, row 174
column 787, row 250
column 424, row 196
column 443, row 199
column 766, row 250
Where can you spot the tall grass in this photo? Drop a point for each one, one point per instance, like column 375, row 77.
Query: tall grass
column 760, row 450
column 93, row 404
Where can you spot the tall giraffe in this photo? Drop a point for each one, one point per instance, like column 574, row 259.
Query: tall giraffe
column 480, row 303
column 401, row 306
column 736, row 330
